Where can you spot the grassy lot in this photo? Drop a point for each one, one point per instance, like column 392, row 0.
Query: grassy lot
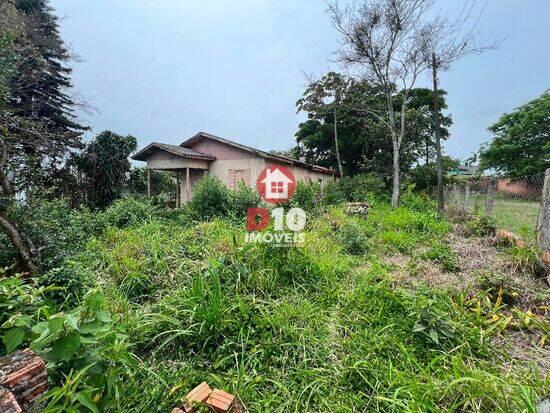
column 515, row 215
column 322, row 327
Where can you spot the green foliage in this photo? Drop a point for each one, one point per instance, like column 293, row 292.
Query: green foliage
column 443, row 255
column 319, row 327
column 306, row 195
column 424, row 177
column 242, row 198
column 481, row 226
column 332, row 193
column 353, row 238
column 211, row 199
column 130, row 211
column 105, row 166
column 363, row 187
column 521, row 143
column 162, row 183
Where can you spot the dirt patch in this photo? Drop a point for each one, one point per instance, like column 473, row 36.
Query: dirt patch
column 482, row 267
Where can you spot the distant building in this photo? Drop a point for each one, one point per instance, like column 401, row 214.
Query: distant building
column 230, row 161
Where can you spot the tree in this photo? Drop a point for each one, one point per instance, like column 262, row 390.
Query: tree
column 521, row 143
column 36, row 113
column 105, row 167
column 365, row 141
column 326, row 96
column 389, row 41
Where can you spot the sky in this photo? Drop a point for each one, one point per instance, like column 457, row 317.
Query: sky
column 162, row 70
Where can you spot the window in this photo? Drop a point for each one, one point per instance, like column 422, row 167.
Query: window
column 277, row 187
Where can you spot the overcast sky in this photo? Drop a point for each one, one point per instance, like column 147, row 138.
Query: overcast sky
column 164, row 70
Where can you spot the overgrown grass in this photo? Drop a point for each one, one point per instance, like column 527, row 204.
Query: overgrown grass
column 316, row 328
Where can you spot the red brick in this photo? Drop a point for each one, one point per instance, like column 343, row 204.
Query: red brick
column 220, row 401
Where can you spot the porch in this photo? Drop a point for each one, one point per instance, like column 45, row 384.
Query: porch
column 187, row 165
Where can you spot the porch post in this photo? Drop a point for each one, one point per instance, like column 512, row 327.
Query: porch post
column 182, row 191
column 148, row 182
column 177, row 189
column 187, row 185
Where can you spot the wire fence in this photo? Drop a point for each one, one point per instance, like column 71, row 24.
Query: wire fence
column 514, row 203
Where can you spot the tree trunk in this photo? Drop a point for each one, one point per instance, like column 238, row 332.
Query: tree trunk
column 395, row 190
column 21, row 244
column 440, row 194
column 337, row 146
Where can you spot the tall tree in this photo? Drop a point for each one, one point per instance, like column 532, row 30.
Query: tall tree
column 326, row 96
column 521, row 142
column 37, row 124
column 389, row 42
column 105, row 167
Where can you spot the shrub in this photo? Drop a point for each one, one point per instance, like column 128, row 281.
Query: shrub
column 242, row 198
column 54, row 229
column 353, row 238
column 332, row 193
column 443, row 255
column 211, row 198
column 481, row 226
column 362, row 187
column 306, row 195
column 130, row 211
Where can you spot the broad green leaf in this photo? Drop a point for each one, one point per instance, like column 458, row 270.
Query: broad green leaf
column 88, row 340
column 102, row 315
column 71, row 321
column 65, row 347
column 55, row 325
column 434, row 336
column 86, row 401
column 94, row 327
column 13, row 338
column 419, row 327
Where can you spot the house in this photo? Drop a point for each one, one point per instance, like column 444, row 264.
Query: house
column 230, row 161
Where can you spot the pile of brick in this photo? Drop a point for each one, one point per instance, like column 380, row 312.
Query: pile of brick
column 217, row 400
column 23, row 379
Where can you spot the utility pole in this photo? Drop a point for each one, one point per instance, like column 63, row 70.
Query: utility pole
column 440, row 194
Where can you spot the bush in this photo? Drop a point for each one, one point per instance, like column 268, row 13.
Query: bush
column 353, row 238
column 481, row 226
column 362, row 187
column 211, row 199
column 443, row 255
column 130, row 211
column 306, row 195
column 242, row 198
column 54, row 229
column 332, row 193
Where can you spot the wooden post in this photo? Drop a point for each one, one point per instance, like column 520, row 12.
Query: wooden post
column 187, row 185
column 177, row 190
column 543, row 224
column 467, row 197
column 455, row 195
column 148, row 182
column 490, row 196
column 182, row 190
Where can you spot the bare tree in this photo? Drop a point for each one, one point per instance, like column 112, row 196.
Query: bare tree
column 391, row 43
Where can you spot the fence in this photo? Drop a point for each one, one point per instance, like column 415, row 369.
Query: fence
column 514, row 203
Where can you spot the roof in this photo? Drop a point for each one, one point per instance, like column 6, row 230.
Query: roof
column 174, row 149
column 258, row 152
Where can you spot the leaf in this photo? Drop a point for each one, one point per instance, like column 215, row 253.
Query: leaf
column 88, row 340
column 71, row 321
column 434, row 336
column 65, row 347
column 94, row 327
column 55, row 325
column 419, row 327
column 86, row 401
column 13, row 338
column 104, row 316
